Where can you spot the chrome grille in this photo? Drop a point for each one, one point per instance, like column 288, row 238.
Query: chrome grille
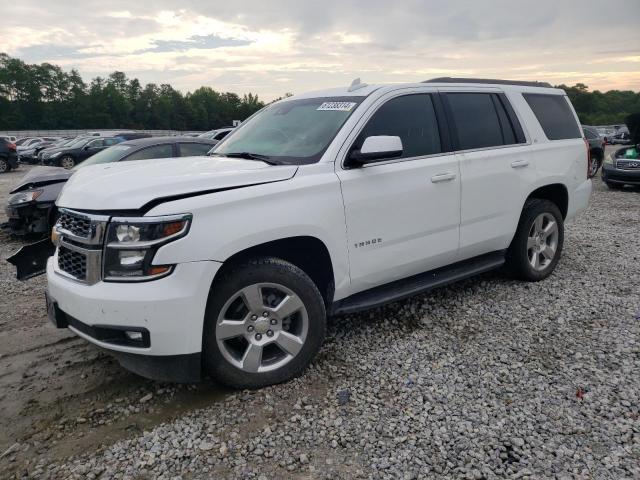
column 79, row 238
column 72, row 263
column 77, row 225
column 631, row 164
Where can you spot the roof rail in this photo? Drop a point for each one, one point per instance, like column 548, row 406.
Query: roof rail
column 489, row 81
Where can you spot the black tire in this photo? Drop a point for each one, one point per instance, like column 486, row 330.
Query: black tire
column 262, row 270
column 68, row 160
column 4, row 165
column 613, row 186
column 518, row 260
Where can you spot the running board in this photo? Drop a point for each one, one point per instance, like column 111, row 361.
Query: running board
column 420, row 283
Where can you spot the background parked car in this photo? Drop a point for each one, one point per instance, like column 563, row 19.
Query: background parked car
column 32, row 142
column 8, row 155
column 30, row 154
column 21, row 141
column 218, row 134
column 623, row 138
column 31, row 205
column 71, row 155
column 596, row 147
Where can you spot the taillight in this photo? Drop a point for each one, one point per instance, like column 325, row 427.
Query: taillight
column 586, row 143
column 11, row 146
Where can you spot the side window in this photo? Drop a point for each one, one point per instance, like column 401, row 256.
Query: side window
column 95, row 143
column 194, row 149
column 410, row 117
column 555, row 116
column 221, row 135
column 111, row 141
column 157, row 151
column 477, row 121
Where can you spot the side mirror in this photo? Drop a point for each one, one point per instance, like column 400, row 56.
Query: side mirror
column 376, row 149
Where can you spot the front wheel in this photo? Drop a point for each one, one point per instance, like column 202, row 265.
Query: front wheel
column 67, row 162
column 614, row 186
column 537, row 245
column 265, row 322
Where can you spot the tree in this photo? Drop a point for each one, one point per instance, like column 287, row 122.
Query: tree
column 46, row 97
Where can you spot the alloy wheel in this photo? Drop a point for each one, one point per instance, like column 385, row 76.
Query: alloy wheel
column 542, row 241
column 67, row 162
column 262, row 327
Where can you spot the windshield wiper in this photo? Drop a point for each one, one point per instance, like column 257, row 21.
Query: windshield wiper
column 248, row 156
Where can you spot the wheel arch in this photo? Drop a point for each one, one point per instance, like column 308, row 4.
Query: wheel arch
column 554, row 192
column 308, row 253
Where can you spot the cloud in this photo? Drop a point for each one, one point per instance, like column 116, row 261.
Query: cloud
column 290, row 45
column 194, row 42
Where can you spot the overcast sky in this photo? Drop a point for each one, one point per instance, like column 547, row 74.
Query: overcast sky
column 271, row 47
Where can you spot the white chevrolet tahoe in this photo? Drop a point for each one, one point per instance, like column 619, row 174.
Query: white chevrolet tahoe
column 320, row 204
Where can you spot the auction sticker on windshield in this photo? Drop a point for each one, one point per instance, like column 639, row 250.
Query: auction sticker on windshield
column 337, row 106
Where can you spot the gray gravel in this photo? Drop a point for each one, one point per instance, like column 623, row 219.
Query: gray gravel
column 488, row 378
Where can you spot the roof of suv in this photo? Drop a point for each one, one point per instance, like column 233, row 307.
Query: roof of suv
column 364, row 90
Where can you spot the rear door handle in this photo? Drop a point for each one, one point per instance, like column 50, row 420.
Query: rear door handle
column 519, row 163
column 443, row 177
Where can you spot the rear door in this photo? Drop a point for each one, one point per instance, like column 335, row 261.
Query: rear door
column 495, row 167
column 402, row 215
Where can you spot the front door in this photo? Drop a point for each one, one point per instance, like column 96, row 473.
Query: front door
column 402, row 215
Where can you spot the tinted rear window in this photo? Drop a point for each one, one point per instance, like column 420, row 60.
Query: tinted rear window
column 554, row 114
column 476, row 120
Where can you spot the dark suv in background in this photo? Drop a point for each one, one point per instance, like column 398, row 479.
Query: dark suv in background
column 596, row 148
column 8, row 155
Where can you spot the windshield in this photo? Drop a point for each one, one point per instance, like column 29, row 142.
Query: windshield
column 207, row 134
column 108, row 155
column 78, row 142
column 291, row 131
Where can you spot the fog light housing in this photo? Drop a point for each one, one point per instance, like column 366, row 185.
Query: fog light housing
column 134, row 336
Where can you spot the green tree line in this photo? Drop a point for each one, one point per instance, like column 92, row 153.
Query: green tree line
column 602, row 108
column 46, row 97
column 43, row 96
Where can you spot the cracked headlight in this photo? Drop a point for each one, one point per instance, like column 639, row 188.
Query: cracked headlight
column 133, row 242
column 24, row 197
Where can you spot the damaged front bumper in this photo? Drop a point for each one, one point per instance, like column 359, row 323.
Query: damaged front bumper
column 31, row 218
column 31, row 260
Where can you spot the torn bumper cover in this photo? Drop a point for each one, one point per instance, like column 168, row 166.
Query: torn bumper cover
column 31, row 260
column 28, row 219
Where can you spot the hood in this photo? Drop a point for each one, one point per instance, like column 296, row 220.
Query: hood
column 38, row 176
column 131, row 185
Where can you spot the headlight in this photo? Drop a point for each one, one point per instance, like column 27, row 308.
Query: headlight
column 609, row 159
column 24, row 197
column 133, row 242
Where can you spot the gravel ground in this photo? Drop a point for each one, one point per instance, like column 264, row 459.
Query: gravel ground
column 488, row 378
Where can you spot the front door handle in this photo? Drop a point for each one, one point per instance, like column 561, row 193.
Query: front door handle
column 519, row 163
column 443, row 177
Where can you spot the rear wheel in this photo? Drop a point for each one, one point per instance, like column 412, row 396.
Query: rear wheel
column 537, row 245
column 4, row 165
column 67, row 162
column 265, row 322
column 594, row 166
